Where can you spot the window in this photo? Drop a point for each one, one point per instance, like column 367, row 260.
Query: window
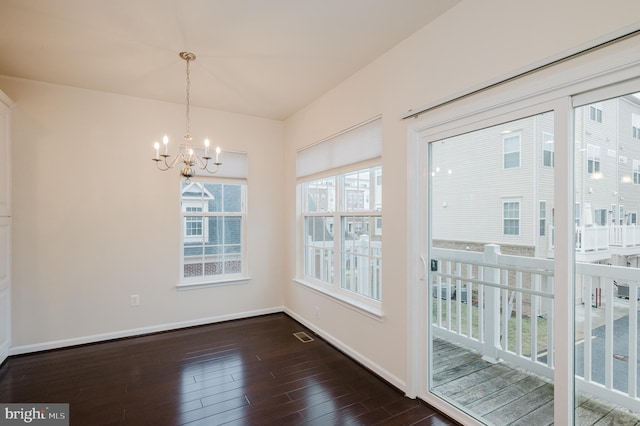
column 632, row 218
column 636, row 172
column 213, row 216
column 635, row 126
column 511, row 217
column 511, row 150
column 593, row 159
column 600, row 217
column 346, row 232
column 543, row 218
column 548, row 155
column 193, row 224
column 621, row 214
column 595, row 112
column 340, row 198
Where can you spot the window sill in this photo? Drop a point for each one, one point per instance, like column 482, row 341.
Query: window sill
column 354, row 305
column 212, row 283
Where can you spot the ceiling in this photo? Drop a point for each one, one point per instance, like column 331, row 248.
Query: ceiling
column 266, row 58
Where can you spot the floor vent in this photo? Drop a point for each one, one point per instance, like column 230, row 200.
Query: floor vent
column 303, row 337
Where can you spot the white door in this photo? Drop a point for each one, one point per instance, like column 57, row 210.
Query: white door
column 5, row 287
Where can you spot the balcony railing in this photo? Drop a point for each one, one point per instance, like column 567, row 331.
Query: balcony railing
column 502, row 307
column 625, row 236
column 604, row 238
column 361, row 265
column 592, row 238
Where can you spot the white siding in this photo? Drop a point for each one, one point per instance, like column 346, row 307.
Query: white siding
column 468, row 202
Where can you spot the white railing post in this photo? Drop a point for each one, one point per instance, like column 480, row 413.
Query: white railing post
column 362, row 253
column 491, row 345
column 309, row 261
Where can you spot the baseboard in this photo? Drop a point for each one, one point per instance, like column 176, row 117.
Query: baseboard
column 96, row 338
column 392, row 379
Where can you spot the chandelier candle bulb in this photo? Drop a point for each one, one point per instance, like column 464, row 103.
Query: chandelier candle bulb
column 217, row 155
column 206, row 147
column 157, row 147
column 165, row 142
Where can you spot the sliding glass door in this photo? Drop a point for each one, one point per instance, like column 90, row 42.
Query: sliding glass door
column 491, row 284
column 607, row 249
column 524, row 231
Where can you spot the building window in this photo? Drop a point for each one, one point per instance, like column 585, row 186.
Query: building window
column 632, row 218
column 621, row 214
column 543, row 218
column 600, row 217
column 595, row 112
column 511, row 150
column 213, row 237
column 511, row 217
column 635, row 126
column 636, row 172
column 593, row 159
column 548, row 150
column 193, row 224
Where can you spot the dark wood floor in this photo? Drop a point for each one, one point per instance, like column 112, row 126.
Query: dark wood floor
column 246, row 372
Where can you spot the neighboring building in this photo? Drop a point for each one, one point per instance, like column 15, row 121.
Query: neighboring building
column 504, row 194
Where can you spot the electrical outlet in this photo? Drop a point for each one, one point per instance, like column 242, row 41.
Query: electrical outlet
column 134, row 300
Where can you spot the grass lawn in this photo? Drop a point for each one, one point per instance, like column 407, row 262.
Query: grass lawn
column 541, row 334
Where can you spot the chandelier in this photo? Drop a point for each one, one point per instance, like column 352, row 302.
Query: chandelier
column 187, row 156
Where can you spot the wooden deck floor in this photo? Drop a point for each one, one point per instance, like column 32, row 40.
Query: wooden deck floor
column 501, row 395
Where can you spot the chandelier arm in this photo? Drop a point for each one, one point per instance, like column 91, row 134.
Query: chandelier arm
column 203, row 163
column 214, row 170
column 167, row 165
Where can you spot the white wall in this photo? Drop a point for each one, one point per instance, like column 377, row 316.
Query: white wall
column 95, row 222
column 473, row 43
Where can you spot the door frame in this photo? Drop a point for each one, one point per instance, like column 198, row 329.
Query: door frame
column 557, row 85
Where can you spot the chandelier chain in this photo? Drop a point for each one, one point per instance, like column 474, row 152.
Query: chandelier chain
column 188, row 129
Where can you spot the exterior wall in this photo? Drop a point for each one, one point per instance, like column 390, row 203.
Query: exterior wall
column 468, row 202
column 614, row 185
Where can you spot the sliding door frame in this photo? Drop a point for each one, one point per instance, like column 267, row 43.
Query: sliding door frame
column 552, row 88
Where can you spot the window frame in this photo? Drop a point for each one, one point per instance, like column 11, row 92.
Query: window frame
column 548, row 142
column 186, row 283
column 595, row 112
column 335, row 287
column 635, row 126
column 594, row 159
column 600, row 217
column 517, row 220
column 506, row 137
column 542, row 204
